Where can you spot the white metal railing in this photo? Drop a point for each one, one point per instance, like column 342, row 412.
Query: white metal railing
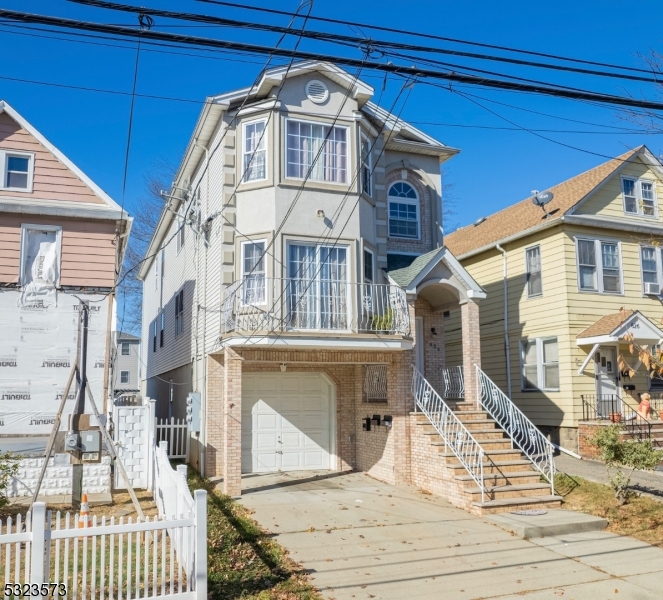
column 521, row 431
column 454, row 383
column 454, row 433
column 175, row 432
column 300, row 304
column 114, row 558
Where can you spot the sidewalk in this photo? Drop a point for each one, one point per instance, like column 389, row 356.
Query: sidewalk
column 650, row 482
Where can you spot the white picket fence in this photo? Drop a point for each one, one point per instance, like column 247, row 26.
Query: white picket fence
column 164, row 556
column 176, row 433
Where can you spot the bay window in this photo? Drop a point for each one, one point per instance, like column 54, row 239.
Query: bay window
column 317, row 293
column 366, row 166
column 316, row 151
column 254, row 163
column 253, row 273
column 599, row 266
column 539, row 364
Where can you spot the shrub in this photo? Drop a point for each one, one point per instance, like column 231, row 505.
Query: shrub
column 8, row 468
column 619, row 454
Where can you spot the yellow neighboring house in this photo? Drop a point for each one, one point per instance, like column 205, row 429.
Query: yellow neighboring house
column 563, row 288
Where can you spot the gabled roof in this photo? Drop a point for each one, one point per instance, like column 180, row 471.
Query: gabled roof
column 127, row 337
column 110, row 203
column 411, row 276
column 525, row 217
column 613, row 327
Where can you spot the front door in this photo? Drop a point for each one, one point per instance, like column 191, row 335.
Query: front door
column 606, row 382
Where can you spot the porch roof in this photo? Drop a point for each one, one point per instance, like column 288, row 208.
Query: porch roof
column 613, row 328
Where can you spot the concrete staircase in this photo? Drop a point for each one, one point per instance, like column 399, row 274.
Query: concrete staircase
column 656, row 433
column 511, row 482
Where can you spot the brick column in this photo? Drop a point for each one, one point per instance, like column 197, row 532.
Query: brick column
column 469, row 313
column 232, row 423
column 214, row 417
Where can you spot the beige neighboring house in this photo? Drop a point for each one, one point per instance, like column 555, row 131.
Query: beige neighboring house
column 126, row 365
column 564, row 288
column 297, row 275
column 61, row 241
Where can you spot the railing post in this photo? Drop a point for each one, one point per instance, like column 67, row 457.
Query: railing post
column 200, row 508
column 181, row 482
column 151, row 441
column 38, row 542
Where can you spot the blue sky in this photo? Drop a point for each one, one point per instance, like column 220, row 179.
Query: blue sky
column 496, row 166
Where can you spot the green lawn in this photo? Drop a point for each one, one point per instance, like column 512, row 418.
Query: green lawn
column 243, row 560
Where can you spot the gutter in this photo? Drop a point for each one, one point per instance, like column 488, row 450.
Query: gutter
column 507, row 348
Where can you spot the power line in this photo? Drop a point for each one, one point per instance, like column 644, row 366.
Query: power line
column 550, row 90
column 430, row 36
column 368, row 42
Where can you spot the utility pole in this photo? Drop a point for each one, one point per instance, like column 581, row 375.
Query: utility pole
column 79, row 410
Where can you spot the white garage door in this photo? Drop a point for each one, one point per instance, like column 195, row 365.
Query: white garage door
column 286, row 422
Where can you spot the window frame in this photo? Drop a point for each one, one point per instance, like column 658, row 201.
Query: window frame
column 242, row 271
column 600, row 289
column 124, row 345
column 639, row 203
column 179, row 313
column 368, row 164
column 540, row 364
column 412, row 201
column 154, row 336
column 265, row 139
column 363, row 265
column 5, row 154
column 162, row 316
column 348, row 147
column 128, row 374
column 25, row 227
column 180, row 231
column 658, row 257
column 528, row 273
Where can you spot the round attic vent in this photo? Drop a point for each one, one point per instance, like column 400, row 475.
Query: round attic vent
column 316, row 91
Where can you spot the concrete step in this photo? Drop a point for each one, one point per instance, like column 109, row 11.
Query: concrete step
column 461, row 406
column 525, row 503
column 471, row 415
column 502, row 479
column 498, row 466
column 490, row 456
column 503, row 492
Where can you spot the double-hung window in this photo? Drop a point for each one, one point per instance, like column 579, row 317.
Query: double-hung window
column 253, row 273
column 639, row 197
column 650, row 261
column 17, row 170
column 125, row 348
column 179, row 313
column 181, row 229
column 540, row 364
column 366, row 166
column 124, row 376
column 599, row 266
column 154, row 337
column 163, row 327
column 317, row 295
column 316, row 151
column 403, row 211
column 533, row 266
column 368, row 266
column 254, row 163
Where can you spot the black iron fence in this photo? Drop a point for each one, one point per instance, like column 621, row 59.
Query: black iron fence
column 609, row 407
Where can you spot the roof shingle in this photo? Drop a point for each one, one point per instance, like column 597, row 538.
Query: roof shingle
column 525, row 215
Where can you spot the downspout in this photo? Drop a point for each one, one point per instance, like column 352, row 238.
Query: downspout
column 507, row 348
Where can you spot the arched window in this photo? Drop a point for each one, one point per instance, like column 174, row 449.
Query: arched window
column 403, row 211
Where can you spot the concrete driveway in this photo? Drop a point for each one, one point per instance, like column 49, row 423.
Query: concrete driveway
column 363, row 539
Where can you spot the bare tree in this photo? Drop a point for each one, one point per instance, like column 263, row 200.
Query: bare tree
column 146, row 216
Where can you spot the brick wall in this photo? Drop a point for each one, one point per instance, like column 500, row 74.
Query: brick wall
column 471, row 335
column 425, row 243
column 586, row 431
column 434, row 357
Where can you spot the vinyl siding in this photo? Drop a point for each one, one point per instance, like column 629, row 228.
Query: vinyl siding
column 130, row 362
column 88, row 250
column 52, row 179
column 608, row 201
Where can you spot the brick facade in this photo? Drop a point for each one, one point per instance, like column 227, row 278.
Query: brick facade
column 586, row 431
column 471, row 347
column 425, row 241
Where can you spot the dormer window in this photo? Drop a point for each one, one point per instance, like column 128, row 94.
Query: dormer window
column 639, row 197
column 17, row 170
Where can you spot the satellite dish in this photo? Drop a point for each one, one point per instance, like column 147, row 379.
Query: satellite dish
column 541, row 199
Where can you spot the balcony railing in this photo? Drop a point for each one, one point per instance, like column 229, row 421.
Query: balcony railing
column 260, row 304
column 610, row 407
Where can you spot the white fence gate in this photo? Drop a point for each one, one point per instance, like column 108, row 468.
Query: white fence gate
column 160, row 557
column 176, row 433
